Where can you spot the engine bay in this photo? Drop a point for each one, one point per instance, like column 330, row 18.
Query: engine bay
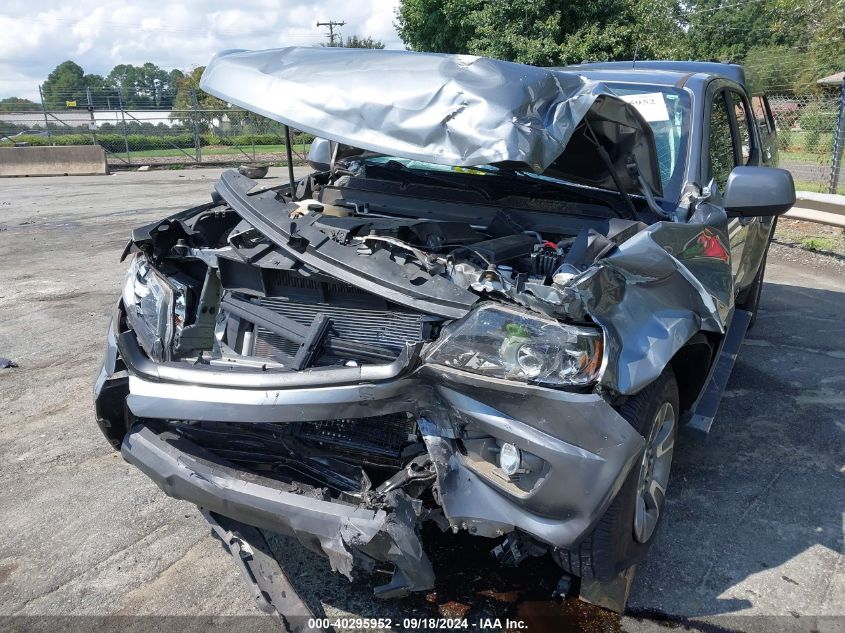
column 497, row 251
column 351, row 270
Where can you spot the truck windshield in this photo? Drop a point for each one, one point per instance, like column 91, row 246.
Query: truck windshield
column 665, row 108
column 667, row 111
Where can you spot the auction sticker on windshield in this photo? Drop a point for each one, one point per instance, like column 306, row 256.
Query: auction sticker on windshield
column 650, row 104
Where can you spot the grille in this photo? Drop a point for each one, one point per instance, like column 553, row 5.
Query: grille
column 389, row 329
column 382, row 436
column 376, row 441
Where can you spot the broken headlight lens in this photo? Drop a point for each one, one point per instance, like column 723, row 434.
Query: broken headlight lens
column 505, row 343
column 155, row 308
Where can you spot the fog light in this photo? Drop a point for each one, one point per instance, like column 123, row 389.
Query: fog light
column 510, row 459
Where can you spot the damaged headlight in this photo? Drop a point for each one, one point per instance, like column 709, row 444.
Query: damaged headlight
column 155, row 307
column 501, row 342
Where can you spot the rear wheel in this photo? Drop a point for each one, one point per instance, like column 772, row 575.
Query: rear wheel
column 623, row 535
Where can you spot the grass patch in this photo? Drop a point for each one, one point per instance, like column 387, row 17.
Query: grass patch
column 810, row 185
column 818, row 238
column 817, row 244
column 800, row 156
column 819, row 187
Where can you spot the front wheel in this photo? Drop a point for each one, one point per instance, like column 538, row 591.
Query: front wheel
column 623, row 535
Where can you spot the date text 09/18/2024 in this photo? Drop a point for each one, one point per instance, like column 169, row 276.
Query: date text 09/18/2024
column 497, row 624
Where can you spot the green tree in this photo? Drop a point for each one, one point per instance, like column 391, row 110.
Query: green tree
column 145, row 86
column 809, row 44
column 102, row 93
column 169, row 95
column 542, row 32
column 437, row 26
column 209, row 106
column 353, row 41
column 212, row 110
column 190, row 81
column 773, row 69
column 821, row 37
column 65, row 83
column 726, row 30
column 18, row 104
column 68, row 82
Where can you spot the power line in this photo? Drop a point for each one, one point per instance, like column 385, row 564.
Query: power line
column 719, row 8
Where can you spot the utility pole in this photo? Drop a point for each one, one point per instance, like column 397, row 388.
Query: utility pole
column 46, row 121
column 92, row 125
column 331, row 24
column 838, row 142
column 196, row 125
column 123, row 118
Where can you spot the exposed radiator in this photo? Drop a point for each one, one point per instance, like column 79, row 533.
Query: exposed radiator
column 389, row 329
column 376, row 441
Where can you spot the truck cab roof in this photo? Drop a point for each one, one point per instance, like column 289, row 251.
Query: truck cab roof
column 660, row 72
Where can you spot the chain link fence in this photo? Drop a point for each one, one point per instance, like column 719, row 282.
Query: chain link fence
column 133, row 137
column 810, row 125
column 811, row 135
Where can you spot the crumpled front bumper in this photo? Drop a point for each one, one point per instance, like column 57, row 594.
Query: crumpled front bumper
column 184, row 470
column 586, row 447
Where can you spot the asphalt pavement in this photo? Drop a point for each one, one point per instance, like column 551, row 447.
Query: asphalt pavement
column 753, row 532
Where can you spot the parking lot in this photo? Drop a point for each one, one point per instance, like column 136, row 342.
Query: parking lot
column 754, row 521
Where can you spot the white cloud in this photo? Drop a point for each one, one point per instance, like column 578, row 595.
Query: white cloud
column 99, row 35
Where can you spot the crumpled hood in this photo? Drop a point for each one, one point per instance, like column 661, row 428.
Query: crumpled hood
column 457, row 110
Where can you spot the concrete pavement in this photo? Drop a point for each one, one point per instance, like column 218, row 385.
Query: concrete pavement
column 754, row 523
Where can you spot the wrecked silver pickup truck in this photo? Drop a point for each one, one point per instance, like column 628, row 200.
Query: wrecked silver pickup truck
column 490, row 306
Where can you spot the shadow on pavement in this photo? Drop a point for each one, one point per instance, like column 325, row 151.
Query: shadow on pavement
column 768, row 485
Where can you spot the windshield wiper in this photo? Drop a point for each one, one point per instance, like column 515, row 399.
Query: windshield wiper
column 540, row 183
column 395, row 164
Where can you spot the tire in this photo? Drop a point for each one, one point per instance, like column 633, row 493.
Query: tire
column 613, row 546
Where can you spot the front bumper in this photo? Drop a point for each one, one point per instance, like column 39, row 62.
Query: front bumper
column 184, row 470
column 587, row 449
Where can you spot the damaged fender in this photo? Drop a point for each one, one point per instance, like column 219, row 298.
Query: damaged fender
column 650, row 295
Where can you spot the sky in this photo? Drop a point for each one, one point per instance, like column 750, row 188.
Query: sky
column 99, row 34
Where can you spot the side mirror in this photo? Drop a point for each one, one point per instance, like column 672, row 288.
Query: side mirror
column 320, row 154
column 758, row 191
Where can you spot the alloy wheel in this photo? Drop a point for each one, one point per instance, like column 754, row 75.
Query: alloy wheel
column 654, row 473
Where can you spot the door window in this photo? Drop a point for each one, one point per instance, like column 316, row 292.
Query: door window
column 743, row 124
column 722, row 159
column 758, row 104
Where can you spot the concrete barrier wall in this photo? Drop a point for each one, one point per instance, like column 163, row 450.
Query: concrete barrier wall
column 67, row 160
column 824, row 208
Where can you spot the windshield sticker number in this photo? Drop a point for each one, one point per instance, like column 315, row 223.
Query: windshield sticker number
column 651, row 105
